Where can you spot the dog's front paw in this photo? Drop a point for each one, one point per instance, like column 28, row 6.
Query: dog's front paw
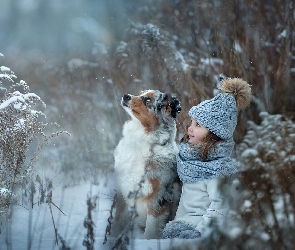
column 154, row 226
column 150, row 235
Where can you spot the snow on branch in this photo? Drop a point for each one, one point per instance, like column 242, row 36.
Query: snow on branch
column 13, row 99
column 6, row 73
column 17, row 98
column 6, row 77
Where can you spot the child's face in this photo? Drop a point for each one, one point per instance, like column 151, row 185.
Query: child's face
column 196, row 132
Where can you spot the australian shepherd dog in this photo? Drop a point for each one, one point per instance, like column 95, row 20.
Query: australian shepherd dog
column 145, row 163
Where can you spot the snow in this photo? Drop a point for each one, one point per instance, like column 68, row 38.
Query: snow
column 4, row 69
column 36, row 223
column 235, row 232
column 211, row 61
column 4, row 192
column 18, row 98
column 6, row 76
column 283, row 34
column 291, row 158
column 121, row 47
column 250, row 152
column 19, row 106
column 13, row 99
column 20, row 124
column 100, row 48
column 31, row 95
column 247, row 204
column 151, row 28
column 179, row 56
column 265, row 236
column 237, row 47
column 90, row 26
column 75, row 63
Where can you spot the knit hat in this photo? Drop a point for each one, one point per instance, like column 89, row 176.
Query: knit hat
column 219, row 114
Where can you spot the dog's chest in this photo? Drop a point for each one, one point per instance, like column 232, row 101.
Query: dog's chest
column 131, row 155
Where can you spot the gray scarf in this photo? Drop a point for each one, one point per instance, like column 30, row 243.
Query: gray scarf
column 192, row 168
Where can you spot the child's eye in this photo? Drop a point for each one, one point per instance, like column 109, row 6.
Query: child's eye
column 198, row 125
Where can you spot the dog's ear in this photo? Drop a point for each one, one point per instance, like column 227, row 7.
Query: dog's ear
column 170, row 104
column 174, row 106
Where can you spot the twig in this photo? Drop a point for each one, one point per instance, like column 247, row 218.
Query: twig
column 55, row 229
column 89, row 224
column 110, row 219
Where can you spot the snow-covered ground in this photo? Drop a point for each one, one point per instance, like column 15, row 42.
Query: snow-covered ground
column 33, row 228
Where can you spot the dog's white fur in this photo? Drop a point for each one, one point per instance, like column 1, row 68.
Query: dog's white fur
column 144, row 162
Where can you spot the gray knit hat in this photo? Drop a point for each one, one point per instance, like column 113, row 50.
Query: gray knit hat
column 219, row 114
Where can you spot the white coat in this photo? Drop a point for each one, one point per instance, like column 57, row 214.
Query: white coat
column 200, row 202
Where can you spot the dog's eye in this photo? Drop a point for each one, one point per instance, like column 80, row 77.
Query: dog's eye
column 147, row 101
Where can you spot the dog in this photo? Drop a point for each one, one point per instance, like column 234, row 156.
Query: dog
column 145, row 163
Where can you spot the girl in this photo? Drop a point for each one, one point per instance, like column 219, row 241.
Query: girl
column 205, row 157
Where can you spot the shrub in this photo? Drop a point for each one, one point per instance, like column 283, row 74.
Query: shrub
column 267, row 154
column 20, row 126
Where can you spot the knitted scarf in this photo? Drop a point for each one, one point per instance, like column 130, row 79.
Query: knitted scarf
column 192, row 168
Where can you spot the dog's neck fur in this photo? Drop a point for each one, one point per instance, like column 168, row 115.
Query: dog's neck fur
column 161, row 135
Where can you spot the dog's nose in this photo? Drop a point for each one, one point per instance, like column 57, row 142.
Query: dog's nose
column 126, row 97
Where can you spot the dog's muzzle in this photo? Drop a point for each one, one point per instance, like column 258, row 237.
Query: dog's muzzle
column 126, row 99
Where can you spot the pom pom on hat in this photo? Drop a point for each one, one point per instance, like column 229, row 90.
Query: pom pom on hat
column 240, row 89
column 219, row 114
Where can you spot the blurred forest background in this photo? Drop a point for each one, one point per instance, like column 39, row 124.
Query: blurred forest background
column 80, row 57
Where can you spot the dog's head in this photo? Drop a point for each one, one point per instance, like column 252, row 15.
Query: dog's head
column 152, row 108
